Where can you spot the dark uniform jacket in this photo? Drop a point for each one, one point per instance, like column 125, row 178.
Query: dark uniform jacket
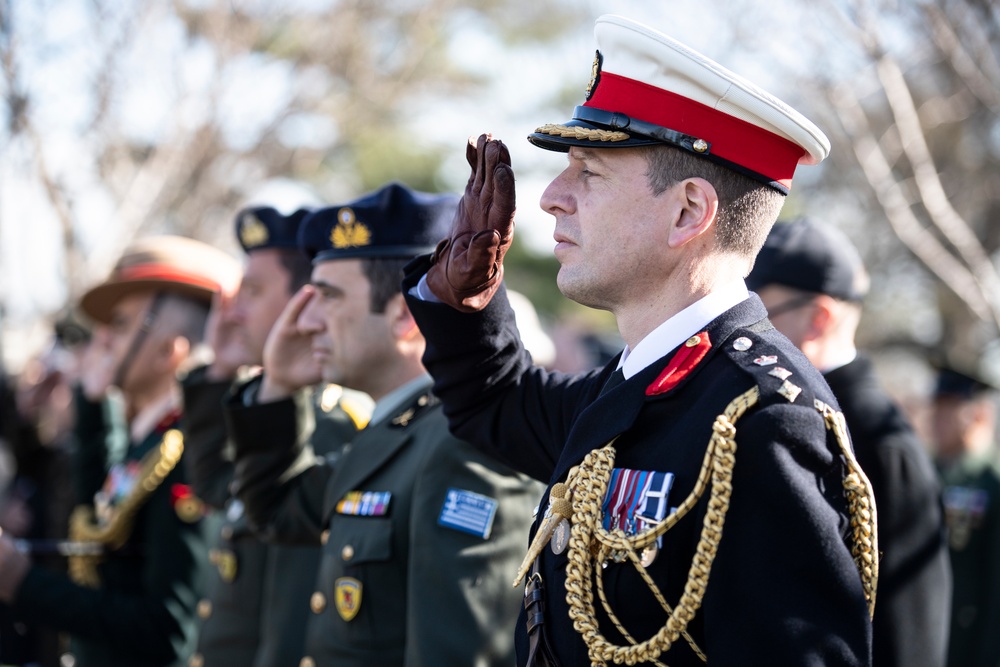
column 912, row 614
column 783, row 589
column 143, row 611
column 257, row 600
column 972, row 508
column 419, row 570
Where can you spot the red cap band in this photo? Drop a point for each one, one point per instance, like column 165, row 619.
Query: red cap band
column 732, row 139
column 170, row 274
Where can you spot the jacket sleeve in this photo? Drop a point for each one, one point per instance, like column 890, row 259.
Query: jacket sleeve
column 492, row 395
column 459, row 576
column 209, row 467
column 279, row 480
column 90, row 455
column 149, row 624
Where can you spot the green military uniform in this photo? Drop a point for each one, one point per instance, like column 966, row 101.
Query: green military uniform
column 972, row 511
column 258, row 594
column 140, row 608
column 422, row 533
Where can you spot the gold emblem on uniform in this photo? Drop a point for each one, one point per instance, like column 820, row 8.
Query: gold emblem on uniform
column 595, row 74
column 253, row 232
column 349, row 232
column 225, row 561
column 347, row 596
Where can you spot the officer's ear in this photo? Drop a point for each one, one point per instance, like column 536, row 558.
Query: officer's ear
column 698, row 204
column 400, row 319
column 822, row 316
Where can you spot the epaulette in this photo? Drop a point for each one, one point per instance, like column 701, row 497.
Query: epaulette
column 415, row 409
column 770, row 371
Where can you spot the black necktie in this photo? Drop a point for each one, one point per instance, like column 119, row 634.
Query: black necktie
column 616, row 379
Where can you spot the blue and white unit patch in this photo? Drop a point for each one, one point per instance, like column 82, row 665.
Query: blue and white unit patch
column 468, row 512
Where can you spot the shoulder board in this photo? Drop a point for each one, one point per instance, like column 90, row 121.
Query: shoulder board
column 414, row 410
column 774, row 374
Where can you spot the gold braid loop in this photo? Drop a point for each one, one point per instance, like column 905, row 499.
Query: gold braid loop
column 585, row 133
column 861, row 505
column 590, row 543
column 83, row 527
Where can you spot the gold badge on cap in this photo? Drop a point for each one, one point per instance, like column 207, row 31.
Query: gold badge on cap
column 253, row 232
column 347, row 596
column 595, row 74
column 349, row 232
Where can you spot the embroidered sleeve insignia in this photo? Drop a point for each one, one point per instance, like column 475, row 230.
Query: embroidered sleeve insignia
column 468, row 512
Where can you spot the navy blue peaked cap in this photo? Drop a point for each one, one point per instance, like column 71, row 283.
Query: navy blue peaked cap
column 811, row 257
column 261, row 227
column 394, row 221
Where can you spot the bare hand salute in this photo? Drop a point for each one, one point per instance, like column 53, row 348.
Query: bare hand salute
column 288, row 361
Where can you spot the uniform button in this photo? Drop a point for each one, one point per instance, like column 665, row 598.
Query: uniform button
column 325, row 537
column 204, row 608
column 317, row 602
column 197, row 660
column 347, row 553
column 227, row 532
column 307, row 662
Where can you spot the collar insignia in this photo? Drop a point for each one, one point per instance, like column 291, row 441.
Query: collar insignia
column 595, row 74
column 349, row 232
column 253, row 232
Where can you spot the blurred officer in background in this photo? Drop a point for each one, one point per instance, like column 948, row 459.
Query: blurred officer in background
column 812, row 281
column 138, row 551
column 258, row 596
column 963, row 423
column 421, row 531
column 697, row 508
column 36, row 424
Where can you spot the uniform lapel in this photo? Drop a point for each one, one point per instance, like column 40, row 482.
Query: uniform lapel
column 371, row 450
column 615, row 411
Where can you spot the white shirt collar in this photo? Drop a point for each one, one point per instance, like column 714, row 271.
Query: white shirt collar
column 682, row 326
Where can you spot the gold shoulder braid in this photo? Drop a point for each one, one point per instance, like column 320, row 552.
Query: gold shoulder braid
column 154, row 468
column 590, row 544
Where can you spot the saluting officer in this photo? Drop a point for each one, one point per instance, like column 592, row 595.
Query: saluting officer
column 697, row 508
column 421, row 531
column 812, row 282
column 258, row 598
column 138, row 550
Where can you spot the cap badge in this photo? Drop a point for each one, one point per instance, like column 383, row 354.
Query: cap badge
column 253, row 232
column 595, row 74
column 349, row 233
column 347, row 595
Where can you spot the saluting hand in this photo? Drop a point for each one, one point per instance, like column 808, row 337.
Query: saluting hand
column 222, row 335
column 289, row 364
column 468, row 266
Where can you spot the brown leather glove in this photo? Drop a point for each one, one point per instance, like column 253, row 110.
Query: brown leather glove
column 467, row 267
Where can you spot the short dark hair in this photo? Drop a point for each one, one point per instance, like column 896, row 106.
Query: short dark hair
column 298, row 265
column 385, row 274
column 747, row 208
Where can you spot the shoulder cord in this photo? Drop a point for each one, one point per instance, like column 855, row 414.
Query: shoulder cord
column 590, row 544
column 154, row 468
column 861, row 505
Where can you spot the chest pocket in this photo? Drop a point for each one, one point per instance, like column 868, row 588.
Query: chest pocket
column 357, row 539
